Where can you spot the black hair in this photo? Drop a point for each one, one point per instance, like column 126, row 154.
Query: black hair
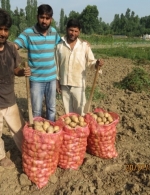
column 5, row 19
column 74, row 23
column 45, row 9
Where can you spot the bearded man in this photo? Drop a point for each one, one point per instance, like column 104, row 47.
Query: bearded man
column 72, row 58
column 40, row 41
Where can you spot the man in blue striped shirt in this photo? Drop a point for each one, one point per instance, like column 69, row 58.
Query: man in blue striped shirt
column 40, row 41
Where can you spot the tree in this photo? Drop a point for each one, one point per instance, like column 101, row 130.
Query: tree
column 127, row 24
column 127, row 14
column 31, row 11
column 61, row 22
column 145, row 24
column 16, row 17
column 89, row 20
column 73, row 14
column 5, row 4
column 54, row 24
column 22, row 21
column 103, row 28
column 115, row 24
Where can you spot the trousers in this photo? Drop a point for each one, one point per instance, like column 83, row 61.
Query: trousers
column 15, row 123
column 39, row 90
column 73, row 99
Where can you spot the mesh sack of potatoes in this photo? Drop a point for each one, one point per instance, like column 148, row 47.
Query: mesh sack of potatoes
column 73, row 148
column 101, row 140
column 40, row 150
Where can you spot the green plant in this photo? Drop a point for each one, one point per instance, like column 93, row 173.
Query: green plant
column 136, row 53
column 137, row 81
column 97, row 95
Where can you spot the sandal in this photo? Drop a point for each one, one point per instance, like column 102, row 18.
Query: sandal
column 7, row 163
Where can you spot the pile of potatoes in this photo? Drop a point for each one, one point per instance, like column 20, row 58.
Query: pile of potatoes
column 45, row 127
column 74, row 121
column 102, row 118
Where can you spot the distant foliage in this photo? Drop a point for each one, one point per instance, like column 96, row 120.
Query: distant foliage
column 124, row 24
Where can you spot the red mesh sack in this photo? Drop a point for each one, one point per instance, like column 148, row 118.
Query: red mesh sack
column 101, row 140
column 40, row 152
column 74, row 144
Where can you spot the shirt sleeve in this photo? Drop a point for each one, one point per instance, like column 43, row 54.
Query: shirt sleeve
column 21, row 40
column 91, row 61
column 58, row 38
column 57, row 62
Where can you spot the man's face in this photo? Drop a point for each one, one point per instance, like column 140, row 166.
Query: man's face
column 4, row 34
column 44, row 21
column 72, row 33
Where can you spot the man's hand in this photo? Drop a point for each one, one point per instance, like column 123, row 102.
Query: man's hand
column 99, row 63
column 27, row 71
column 22, row 71
column 58, row 87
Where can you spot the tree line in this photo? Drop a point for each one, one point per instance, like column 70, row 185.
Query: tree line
column 127, row 24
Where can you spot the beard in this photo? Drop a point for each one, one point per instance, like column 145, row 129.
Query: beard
column 72, row 38
column 43, row 27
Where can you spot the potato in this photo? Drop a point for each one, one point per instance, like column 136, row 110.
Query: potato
column 75, row 119
column 94, row 116
column 46, row 124
column 106, row 114
column 68, row 127
column 72, row 124
column 36, row 123
column 99, row 119
column 38, row 128
column 101, row 123
column 42, row 131
column 41, row 123
column 67, row 117
column 67, row 121
column 50, row 129
column 107, row 123
column 110, row 119
column 81, row 119
column 82, row 124
column 56, row 129
column 104, row 119
column 100, row 114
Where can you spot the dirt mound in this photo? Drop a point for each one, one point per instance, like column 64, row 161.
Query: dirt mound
column 129, row 173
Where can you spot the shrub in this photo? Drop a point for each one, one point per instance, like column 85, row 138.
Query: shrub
column 137, row 81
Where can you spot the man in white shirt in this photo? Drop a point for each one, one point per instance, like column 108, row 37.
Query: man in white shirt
column 72, row 57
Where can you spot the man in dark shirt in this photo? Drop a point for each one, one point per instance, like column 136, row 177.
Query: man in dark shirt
column 9, row 67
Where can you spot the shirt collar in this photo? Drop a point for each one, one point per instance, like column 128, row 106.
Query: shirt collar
column 37, row 31
column 64, row 38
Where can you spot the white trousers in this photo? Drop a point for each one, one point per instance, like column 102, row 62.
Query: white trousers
column 15, row 122
column 73, row 99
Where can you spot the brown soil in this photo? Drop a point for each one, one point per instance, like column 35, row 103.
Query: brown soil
column 127, row 174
